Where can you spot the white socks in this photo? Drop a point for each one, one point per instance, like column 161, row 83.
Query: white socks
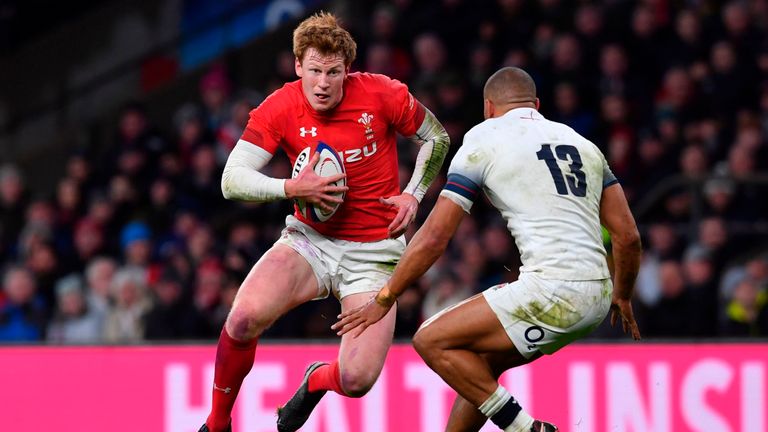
column 495, row 402
column 502, row 408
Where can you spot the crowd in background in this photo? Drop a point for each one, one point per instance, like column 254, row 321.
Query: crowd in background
column 137, row 243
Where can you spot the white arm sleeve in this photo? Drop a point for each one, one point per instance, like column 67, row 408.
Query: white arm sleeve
column 242, row 180
column 433, row 141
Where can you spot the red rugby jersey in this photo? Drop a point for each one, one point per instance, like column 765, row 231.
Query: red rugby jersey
column 362, row 128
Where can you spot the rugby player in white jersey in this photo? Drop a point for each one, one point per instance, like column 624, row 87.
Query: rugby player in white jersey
column 554, row 188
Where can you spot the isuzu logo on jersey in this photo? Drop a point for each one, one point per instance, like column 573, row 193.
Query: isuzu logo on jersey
column 367, row 120
column 356, row 155
column 303, row 132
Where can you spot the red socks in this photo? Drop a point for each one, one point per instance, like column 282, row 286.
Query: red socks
column 326, row 377
column 234, row 359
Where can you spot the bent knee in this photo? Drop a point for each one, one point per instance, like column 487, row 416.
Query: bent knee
column 424, row 343
column 244, row 322
column 357, row 383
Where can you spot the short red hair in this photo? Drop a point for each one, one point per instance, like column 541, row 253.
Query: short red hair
column 323, row 33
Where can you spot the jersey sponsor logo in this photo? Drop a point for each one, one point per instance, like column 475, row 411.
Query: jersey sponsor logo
column 367, row 121
column 303, row 131
column 356, row 155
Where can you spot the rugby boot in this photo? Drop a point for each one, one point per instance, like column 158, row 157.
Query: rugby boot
column 540, row 426
column 204, row 428
column 295, row 412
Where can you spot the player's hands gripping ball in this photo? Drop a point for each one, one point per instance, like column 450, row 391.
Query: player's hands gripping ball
column 310, row 189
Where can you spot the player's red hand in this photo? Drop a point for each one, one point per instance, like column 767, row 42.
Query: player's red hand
column 406, row 205
column 312, row 188
column 622, row 308
column 361, row 318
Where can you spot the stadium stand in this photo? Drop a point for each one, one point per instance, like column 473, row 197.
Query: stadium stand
column 135, row 242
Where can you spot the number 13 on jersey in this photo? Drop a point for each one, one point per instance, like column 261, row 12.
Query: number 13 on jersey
column 576, row 179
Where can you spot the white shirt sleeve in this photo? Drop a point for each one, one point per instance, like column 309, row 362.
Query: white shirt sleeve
column 465, row 176
column 242, row 180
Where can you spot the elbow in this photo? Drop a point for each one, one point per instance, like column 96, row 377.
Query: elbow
column 435, row 244
column 443, row 140
column 630, row 240
column 226, row 185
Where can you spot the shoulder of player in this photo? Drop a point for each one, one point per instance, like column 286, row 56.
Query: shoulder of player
column 283, row 99
column 482, row 131
column 372, row 82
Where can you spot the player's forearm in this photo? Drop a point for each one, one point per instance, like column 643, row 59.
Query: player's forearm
column 434, row 142
column 626, row 264
column 242, row 180
column 424, row 249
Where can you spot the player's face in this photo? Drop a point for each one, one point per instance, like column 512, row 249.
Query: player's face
column 322, row 78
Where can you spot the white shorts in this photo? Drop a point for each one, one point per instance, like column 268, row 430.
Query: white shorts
column 545, row 315
column 343, row 267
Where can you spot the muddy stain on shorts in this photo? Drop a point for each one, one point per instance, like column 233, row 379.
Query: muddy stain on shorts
column 559, row 314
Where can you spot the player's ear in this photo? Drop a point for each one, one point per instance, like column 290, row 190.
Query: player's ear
column 297, row 67
column 538, row 103
column 488, row 108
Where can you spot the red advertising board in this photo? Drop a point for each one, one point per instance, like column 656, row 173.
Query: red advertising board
column 583, row 388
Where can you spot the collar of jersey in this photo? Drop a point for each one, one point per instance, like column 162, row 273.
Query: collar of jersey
column 524, row 112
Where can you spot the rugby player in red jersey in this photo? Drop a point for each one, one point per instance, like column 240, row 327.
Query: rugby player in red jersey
column 351, row 254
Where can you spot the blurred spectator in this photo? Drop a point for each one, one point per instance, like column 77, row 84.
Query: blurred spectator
column 209, row 284
column 172, row 317
column 739, row 29
column 694, row 162
column 12, row 205
column 99, row 276
column 22, row 313
column 688, row 47
column 215, row 89
column 661, row 244
column 568, row 110
column 745, row 314
column 136, row 241
column 673, row 314
column 703, row 291
column 728, row 86
column 137, row 144
column 125, row 319
column 191, row 131
column 229, row 133
column 88, row 243
column 446, row 291
column 74, row 321
column 431, row 60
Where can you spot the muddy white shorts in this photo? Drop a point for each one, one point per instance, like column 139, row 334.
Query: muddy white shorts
column 343, row 267
column 545, row 315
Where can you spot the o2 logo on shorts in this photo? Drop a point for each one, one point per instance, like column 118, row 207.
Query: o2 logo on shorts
column 534, row 334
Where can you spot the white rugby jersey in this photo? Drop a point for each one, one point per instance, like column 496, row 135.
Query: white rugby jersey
column 546, row 180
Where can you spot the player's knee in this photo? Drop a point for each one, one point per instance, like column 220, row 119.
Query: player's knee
column 423, row 343
column 357, row 383
column 244, row 323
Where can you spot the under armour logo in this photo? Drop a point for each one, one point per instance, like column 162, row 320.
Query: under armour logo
column 303, row 132
column 227, row 390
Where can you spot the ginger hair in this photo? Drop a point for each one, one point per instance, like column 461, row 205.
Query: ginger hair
column 323, row 33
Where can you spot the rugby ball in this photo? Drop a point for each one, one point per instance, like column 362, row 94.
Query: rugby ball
column 329, row 164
